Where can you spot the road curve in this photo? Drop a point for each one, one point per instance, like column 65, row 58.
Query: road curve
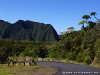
column 71, row 69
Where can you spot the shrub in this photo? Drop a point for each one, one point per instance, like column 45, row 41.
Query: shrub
column 87, row 60
column 97, row 58
column 80, row 57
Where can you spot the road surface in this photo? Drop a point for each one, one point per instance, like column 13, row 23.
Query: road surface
column 71, row 69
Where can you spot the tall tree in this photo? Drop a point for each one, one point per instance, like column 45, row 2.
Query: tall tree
column 82, row 23
column 86, row 17
column 94, row 14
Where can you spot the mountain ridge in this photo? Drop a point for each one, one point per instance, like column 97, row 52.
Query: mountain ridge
column 28, row 30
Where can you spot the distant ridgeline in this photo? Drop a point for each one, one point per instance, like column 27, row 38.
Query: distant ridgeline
column 28, row 30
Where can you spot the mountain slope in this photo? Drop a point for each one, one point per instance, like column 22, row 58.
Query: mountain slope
column 28, row 30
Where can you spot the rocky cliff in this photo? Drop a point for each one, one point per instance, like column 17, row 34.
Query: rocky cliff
column 28, row 30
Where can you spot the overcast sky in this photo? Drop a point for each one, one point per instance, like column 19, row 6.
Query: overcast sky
column 60, row 13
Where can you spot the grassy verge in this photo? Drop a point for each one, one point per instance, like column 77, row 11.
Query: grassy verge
column 26, row 70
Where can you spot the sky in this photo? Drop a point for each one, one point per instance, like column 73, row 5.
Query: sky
column 61, row 14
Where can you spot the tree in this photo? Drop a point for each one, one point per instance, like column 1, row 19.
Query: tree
column 3, row 54
column 70, row 29
column 94, row 14
column 86, row 17
column 82, row 23
column 91, row 24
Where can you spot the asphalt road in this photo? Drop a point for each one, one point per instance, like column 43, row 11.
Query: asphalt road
column 71, row 69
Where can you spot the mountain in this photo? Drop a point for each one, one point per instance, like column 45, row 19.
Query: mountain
column 28, row 30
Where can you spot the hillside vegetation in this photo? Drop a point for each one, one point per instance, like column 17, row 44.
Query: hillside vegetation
column 81, row 46
column 28, row 30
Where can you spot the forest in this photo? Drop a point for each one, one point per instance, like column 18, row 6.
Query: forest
column 82, row 46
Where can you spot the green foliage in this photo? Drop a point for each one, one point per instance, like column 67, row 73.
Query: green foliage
column 54, row 54
column 97, row 57
column 97, row 51
column 87, row 56
column 93, row 13
column 97, row 44
column 54, row 51
column 69, row 47
column 71, row 55
column 3, row 55
column 86, row 17
column 80, row 46
column 80, row 57
column 91, row 24
column 81, row 22
column 21, row 48
column 87, row 60
column 28, row 30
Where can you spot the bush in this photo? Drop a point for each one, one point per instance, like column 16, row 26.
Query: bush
column 3, row 55
column 87, row 60
column 97, row 58
column 80, row 57
column 71, row 55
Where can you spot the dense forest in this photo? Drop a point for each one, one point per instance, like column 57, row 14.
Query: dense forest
column 81, row 46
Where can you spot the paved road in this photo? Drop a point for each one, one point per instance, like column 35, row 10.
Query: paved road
column 71, row 69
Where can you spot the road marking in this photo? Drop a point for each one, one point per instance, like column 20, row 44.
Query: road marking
column 78, row 72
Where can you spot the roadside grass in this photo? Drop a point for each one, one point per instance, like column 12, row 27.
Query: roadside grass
column 95, row 65
column 5, row 70
column 25, row 70
column 12, row 70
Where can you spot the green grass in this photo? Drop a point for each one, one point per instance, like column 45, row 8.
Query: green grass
column 12, row 70
column 5, row 70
